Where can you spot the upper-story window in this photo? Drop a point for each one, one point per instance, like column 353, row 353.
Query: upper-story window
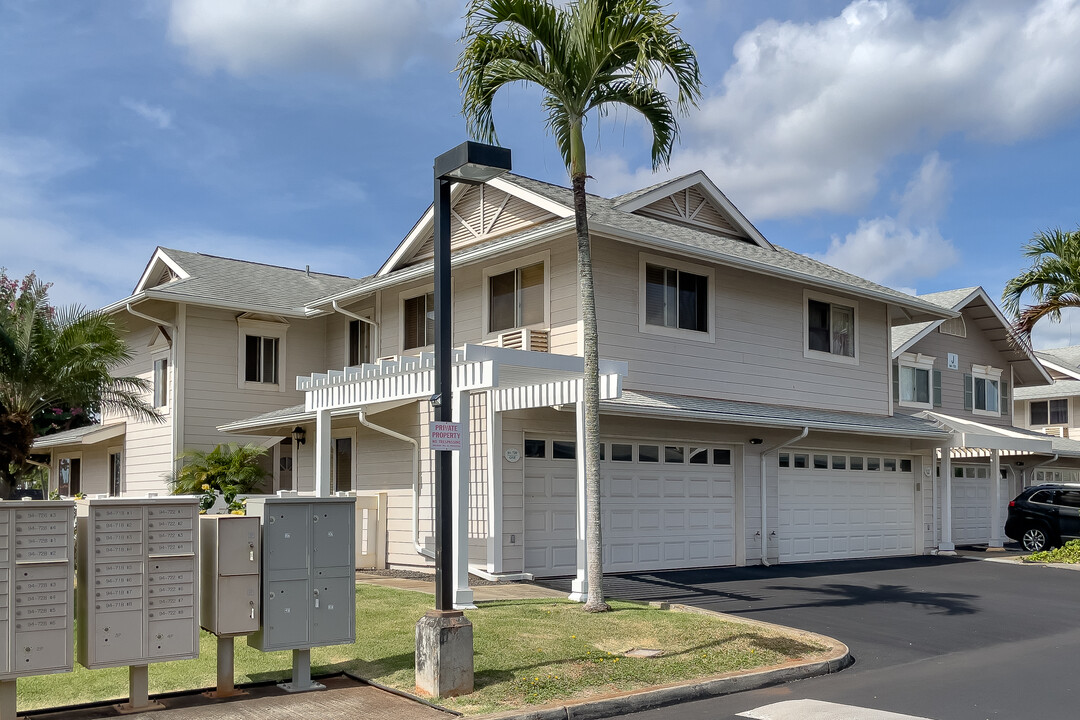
column 161, row 382
column 917, row 384
column 516, row 298
column 984, row 391
column 419, row 321
column 1049, row 412
column 676, row 298
column 359, row 345
column 831, row 327
column 262, row 353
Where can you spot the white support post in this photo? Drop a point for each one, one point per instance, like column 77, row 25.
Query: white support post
column 494, row 478
column 579, row 586
column 946, row 543
column 322, row 454
column 463, row 595
column 8, row 700
column 996, row 541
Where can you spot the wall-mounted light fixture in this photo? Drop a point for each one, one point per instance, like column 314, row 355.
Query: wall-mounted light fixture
column 756, row 441
column 299, row 435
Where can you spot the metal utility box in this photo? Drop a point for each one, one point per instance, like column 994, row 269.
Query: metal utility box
column 230, row 563
column 309, row 587
column 37, row 588
column 137, row 580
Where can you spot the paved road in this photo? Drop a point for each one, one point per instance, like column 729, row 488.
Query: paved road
column 941, row 638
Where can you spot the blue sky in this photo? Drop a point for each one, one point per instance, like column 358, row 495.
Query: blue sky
column 916, row 143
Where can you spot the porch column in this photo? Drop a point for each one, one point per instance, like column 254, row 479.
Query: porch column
column 323, row 487
column 463, row 596
column 995, row 499
column 579, row 586
column 945, row 545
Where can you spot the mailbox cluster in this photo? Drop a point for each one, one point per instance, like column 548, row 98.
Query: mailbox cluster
column 36, row 589
column 137, row 581
column 308, row 588
column 229, row 557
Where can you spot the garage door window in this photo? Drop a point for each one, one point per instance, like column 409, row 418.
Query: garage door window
column 563, row 450
column 890, row 464
column 535, row 449
column 721, row 457
column 621, row 452
column 674, row 454
column 648, row 453
column 873, row 464
column 839, row 462
column 856, row 462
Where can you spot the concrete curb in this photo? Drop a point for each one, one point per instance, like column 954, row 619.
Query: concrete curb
column 836, row 659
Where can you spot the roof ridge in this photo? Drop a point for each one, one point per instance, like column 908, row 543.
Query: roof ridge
column 261, row 264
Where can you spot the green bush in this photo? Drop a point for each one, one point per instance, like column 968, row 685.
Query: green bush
column 1067, row 553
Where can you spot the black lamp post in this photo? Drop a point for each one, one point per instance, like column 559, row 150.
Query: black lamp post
column 472, row 163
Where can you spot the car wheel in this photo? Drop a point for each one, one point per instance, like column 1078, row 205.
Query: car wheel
column 1035, row 539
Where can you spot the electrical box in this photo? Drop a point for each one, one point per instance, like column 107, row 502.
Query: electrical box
column 230, row 564
column 138, row 580
column 37, row 589
column 309, row 580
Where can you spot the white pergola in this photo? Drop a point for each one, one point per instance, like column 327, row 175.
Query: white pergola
column 512, row 379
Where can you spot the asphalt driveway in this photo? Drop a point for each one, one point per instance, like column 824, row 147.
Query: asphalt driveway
column 931, row 636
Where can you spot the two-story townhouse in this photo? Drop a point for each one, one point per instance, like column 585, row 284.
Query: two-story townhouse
column 751, row 419
column 1053, row 409
column 963, row 373
column 215, row 338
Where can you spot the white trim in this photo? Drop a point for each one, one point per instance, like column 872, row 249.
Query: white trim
column 373, row 333
column 339, row 434
column 265, row 329
column 1027, row 413
column 917, row 361
column 991, row 374
column 68, row 456
column 109, row 452
column 555, row 208
column 708, row 336
column 409, row 295
column 809, row 295
column 711, row 192
column 485, row 292
column 179, row 368
column 1063, row 369
column 159, row 256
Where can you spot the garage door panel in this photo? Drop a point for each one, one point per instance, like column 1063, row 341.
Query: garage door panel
column 648, row 487
column 563, row 520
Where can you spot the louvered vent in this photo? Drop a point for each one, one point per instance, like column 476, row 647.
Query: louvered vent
column 525, row 339
column 1055, row 431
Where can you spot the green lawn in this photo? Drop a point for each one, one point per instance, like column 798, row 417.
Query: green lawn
column 528, row 652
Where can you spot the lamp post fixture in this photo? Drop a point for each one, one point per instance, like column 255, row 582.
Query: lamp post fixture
column 444, row 637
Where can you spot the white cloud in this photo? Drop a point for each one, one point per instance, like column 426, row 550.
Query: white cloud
column 373, row 38
column 1048, row 335
column 154, row 114
column 899, row 250
column 809, row 114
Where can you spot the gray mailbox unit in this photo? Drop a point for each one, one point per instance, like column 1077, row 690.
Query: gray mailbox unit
column 309, row 585
column 229, row 550
column 138, row 580
column 37, row 589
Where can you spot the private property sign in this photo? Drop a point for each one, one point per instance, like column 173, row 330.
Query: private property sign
column 445, row 435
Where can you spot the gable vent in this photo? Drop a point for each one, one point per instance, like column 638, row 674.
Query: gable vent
column 953, row 326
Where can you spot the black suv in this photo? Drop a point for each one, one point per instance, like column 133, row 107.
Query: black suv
column 1044, row 515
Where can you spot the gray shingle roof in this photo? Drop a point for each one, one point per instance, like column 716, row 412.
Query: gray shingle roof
column 77, row 435
column 285, row 415
column 948, row 298
column 1067, row 356
column 901, row 334
column 772, row 415
column 1059, row 389
column 634, row 194
column 246, row 284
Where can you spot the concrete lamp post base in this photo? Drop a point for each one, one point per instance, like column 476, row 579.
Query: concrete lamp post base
column 444, row 654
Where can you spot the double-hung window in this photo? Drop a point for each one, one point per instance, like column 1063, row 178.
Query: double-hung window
column 984, row 391
column 419, row 325
column 261, row 353
column 359, row 348
column 916, row 384
column 831, row 327
column 260, row 359
column 516, row 298
column 676, row 299
column 161, row 382
column 1049, row 412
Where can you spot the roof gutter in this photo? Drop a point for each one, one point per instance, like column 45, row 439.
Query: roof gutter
column 144, row 316
column 374, row 326
column 1039, row 465
column 764, row 514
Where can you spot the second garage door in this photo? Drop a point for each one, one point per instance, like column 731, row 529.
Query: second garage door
column 664, row 506
column 838, row 506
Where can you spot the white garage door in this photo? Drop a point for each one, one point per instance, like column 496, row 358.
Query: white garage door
column 664, row 506
column 838, row 506
column 971, row 491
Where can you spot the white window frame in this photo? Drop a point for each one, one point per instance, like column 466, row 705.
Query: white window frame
column 917, row 361
column 349, row 434
column 991, row 374
column 409, row 295
column 505, row 267
column 1068, row 412
column 372, row 354
column 695, row 335
column 69, row 456
column 154, row 360
column 265, row 329
column 109, row 452
column 809, row 295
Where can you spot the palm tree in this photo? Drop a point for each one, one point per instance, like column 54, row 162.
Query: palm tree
column 230, row 469
column 585, row 56
column 1053, row 280
column 55, row 358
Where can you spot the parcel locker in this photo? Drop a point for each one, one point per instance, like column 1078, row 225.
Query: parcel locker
column 138, row 580
column 37, row 588
column 231, row 564
column 308, row 579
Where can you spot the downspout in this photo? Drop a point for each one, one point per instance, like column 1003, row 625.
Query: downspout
column 420, row 549
column 372, row 323
column 1039, row 465
column 764, row 513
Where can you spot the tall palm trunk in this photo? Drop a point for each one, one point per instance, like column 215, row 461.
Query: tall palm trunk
column 594, row 544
